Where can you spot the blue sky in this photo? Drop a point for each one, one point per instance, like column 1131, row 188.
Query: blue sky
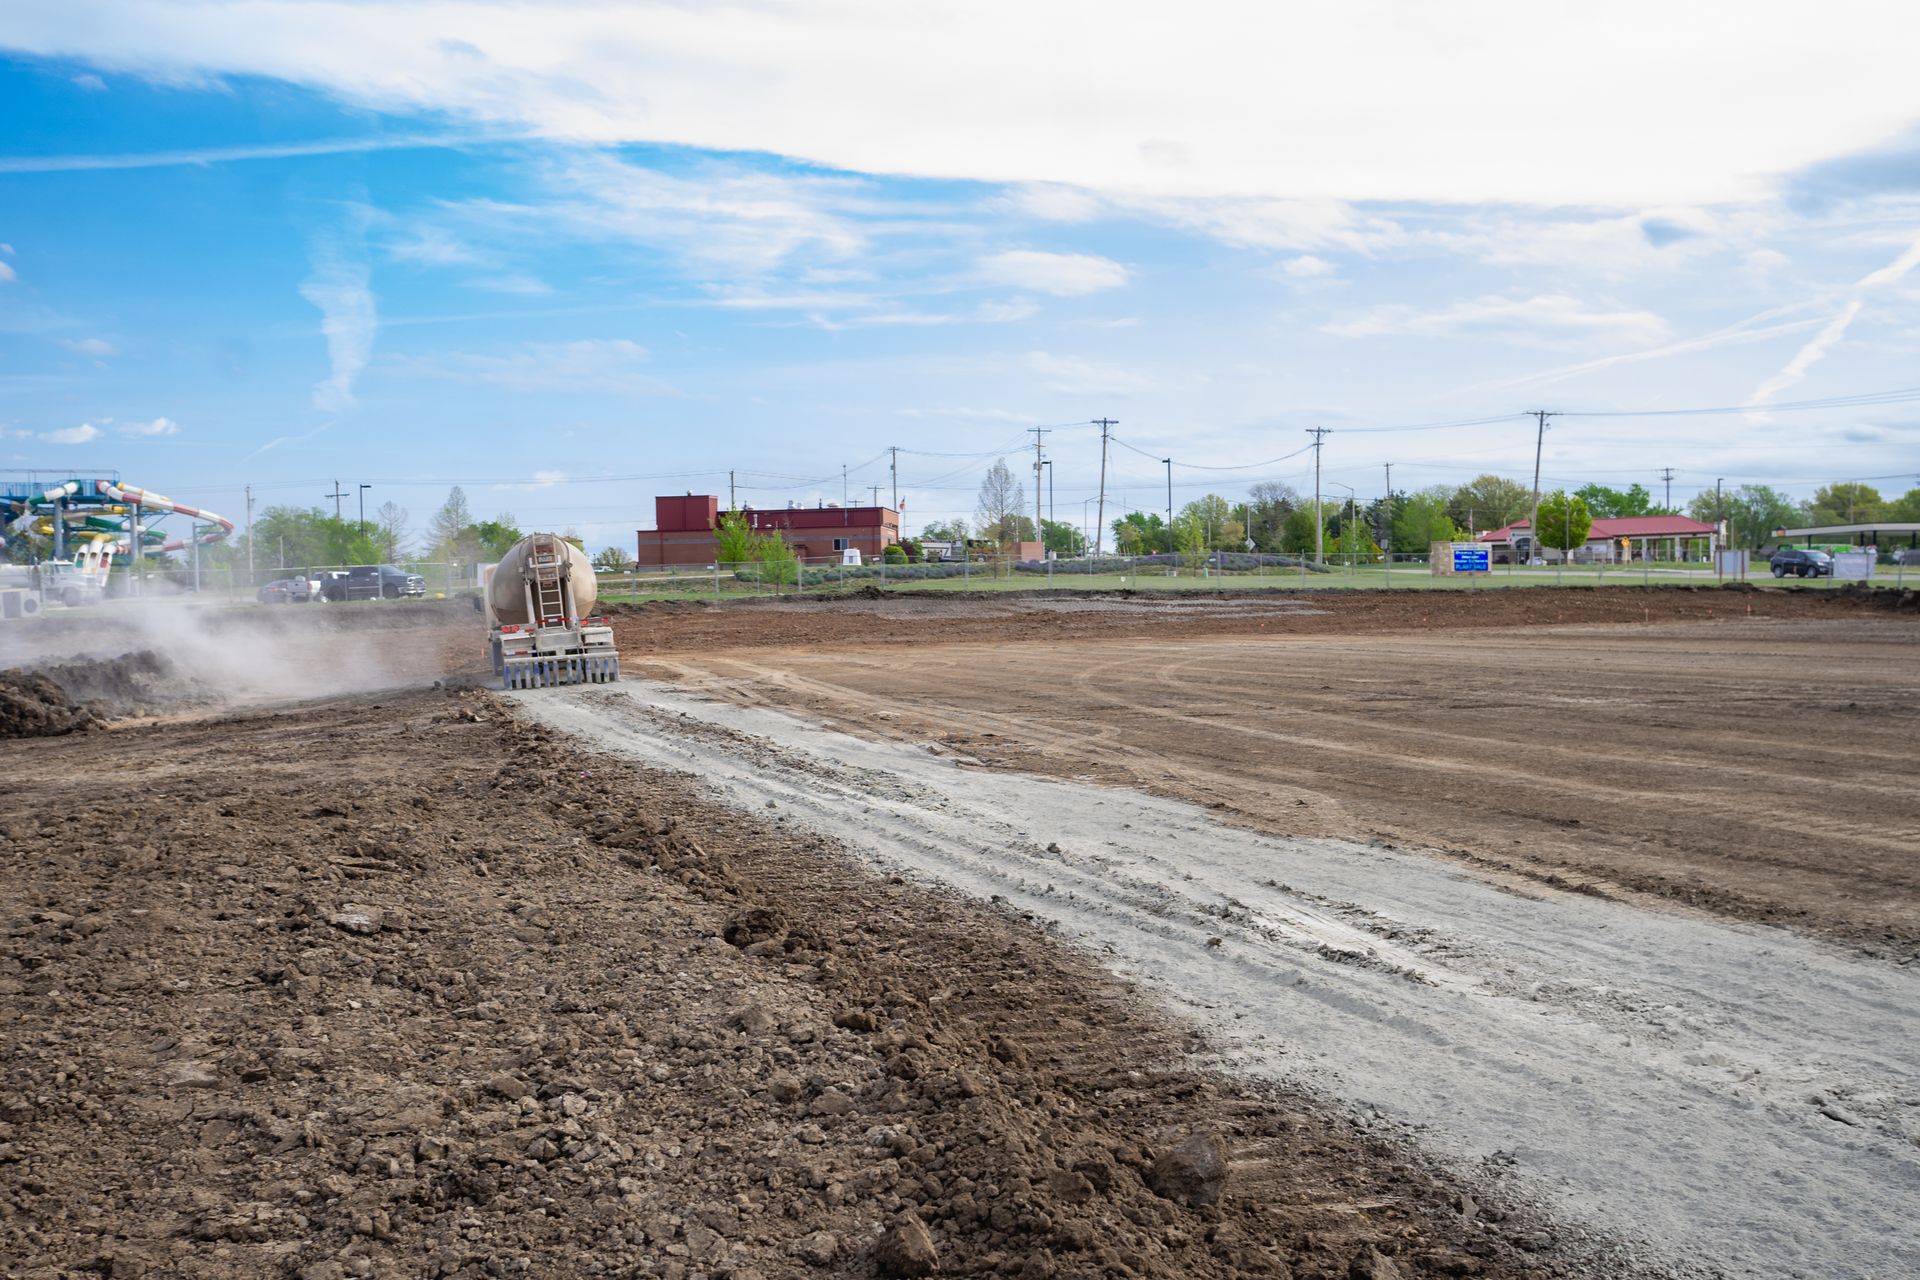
column 571, row 256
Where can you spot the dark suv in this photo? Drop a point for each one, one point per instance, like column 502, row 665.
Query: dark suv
column 1802, row 562
column 374, row 582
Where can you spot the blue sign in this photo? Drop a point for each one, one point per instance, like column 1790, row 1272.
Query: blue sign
column 1472, row 560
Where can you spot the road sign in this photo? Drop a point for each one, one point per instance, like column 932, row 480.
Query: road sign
column 1472, row 559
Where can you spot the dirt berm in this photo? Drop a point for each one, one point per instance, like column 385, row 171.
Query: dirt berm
column 403, row 987
column 69, row 697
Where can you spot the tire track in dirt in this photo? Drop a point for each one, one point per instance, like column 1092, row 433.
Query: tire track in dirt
column 1672, row 767
column 1665, row 1074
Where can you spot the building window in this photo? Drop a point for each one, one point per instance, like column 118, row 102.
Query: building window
column 841, row 544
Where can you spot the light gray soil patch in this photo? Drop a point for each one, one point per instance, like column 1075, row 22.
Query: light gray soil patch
column 1731, row 1094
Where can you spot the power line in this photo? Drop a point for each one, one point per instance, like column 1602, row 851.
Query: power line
column 1865, row 399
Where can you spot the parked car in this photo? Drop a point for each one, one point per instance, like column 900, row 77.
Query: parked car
column 1907, row 555
column 1801, row 562
column 285, row 591
column 330, row 584
column 382, row 582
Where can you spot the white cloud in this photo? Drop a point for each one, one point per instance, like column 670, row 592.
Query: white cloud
column 7, row 273
column 157, row 427
column 1053, row 202
column 1508, row 100
column 541, row 480
column 433, row 247
column 91, row 83
column 1835, row 331
column 89, row 346
column 1065, row 275
column 72, row 435
column 1306, row 267
column 340, row 287
column 1011, row 311
column 724, row 219
column 1073, row 376
column 1744, row 332
column 1542, row 320
column 515, row 282
column 609, row 365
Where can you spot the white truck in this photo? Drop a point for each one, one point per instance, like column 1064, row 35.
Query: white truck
column 537, row 601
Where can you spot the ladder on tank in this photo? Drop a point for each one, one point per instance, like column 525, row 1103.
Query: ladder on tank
column 549, row 601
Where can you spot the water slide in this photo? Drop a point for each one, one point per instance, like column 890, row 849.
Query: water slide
column 106, row 510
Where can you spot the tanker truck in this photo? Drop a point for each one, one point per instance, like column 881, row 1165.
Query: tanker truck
column 537, row 601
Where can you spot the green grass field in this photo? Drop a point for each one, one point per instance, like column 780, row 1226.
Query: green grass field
column 694, row 586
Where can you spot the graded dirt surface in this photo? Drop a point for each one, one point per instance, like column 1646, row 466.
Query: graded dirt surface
column 401, row 985
column 908, row 617
column 1722, row 1091
column 1668, row 743
column 407, row 983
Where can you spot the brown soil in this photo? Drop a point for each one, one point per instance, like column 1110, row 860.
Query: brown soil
column 1759, row 765
column 33, row 706
column 402, row 987
column 907, row 617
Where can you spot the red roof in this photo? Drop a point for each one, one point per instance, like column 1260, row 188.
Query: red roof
column 1612, row 527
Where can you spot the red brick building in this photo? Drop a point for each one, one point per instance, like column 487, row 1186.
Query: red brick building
column 683, row 532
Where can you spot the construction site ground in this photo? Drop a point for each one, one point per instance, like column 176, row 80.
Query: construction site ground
column 849, row 935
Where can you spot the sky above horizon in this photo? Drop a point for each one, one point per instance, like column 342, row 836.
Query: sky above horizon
column 569, row 256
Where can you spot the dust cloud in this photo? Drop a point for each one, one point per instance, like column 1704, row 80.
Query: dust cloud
column 143, row 657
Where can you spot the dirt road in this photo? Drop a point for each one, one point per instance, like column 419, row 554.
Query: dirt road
column 1730, row 1092
column 1757, row 767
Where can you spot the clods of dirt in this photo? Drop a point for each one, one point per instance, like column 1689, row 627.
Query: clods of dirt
column 67, row 697
column 410, row 988
column 33, row 706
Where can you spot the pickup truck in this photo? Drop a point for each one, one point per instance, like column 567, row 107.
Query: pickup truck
column 373, row 582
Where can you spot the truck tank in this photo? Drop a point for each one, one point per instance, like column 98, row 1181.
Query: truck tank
column 538, row 599
column 506, row 588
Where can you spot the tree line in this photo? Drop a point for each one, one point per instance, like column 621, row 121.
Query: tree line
column 1276, row 518
column 295, row 537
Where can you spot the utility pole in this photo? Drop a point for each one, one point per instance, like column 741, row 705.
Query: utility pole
column 337, row 494
column 1719, row 519
column 876, row 493
column 894, row 449
column 363, row 507
column 1100, row 512
column 1533, row 521
column 1038, row 434
column 843, row 484
column 1666, row 474
column 249, row 536
column 1319, row 525
column 733, row 503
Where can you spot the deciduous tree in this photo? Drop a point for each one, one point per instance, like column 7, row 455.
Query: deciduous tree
column 1607, row 504
column 1001, row 498
column 1488, row 502
column 1564, row 522
column 1845, row 503
column 1062, row 539
column 1421, row 520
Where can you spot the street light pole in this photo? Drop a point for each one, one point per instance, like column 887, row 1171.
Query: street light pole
column 1172, row 549
column 363, row 506
column 1349, row 521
